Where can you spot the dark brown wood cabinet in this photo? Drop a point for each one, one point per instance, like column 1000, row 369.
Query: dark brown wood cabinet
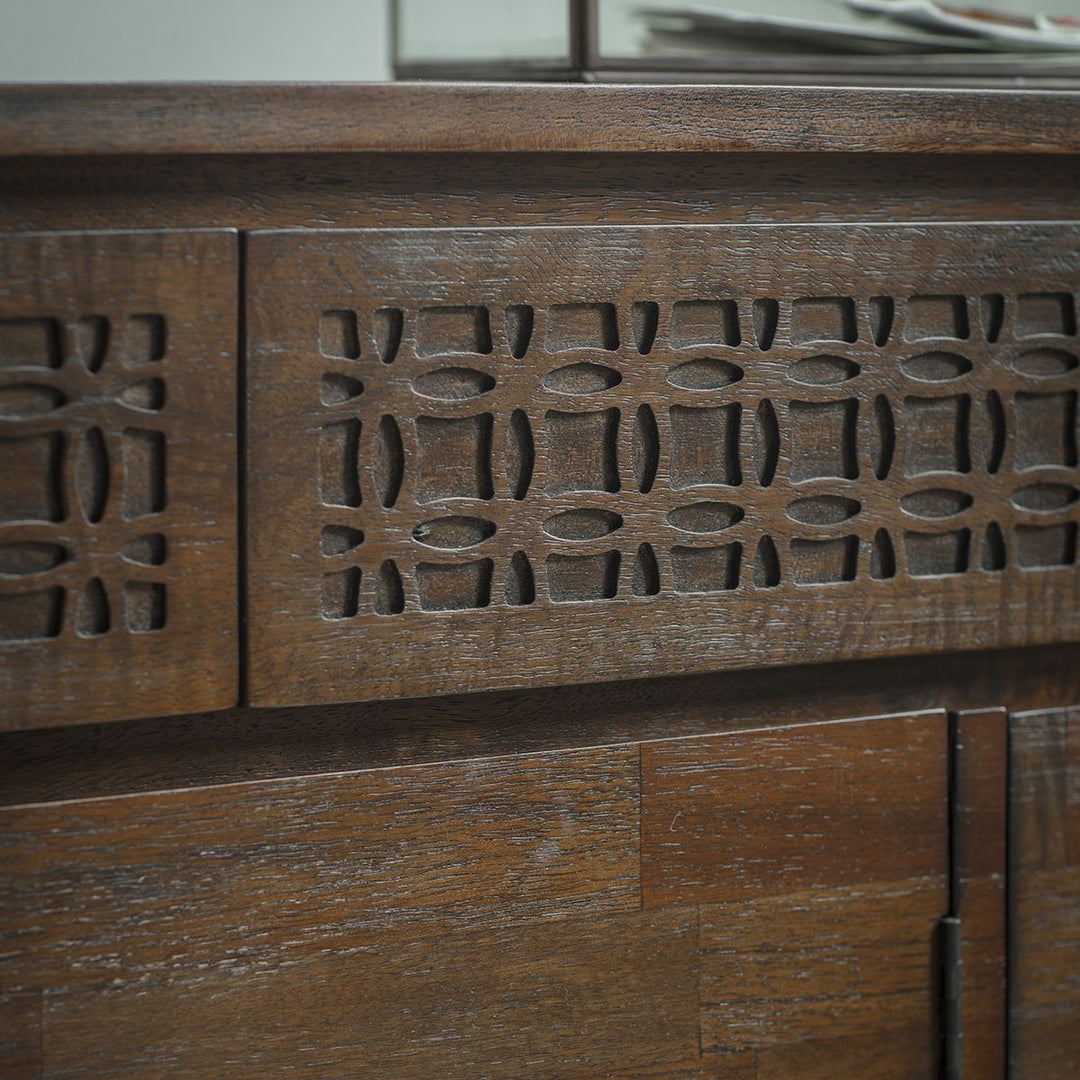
column 557, row 581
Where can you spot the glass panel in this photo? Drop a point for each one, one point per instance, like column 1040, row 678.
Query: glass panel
column 486, row 31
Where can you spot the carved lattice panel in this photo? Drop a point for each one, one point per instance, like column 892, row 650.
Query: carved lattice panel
column 496, row 458
column 117, row 452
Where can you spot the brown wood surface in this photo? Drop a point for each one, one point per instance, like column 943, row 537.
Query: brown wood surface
column 282, row 118
column 118, row 538
column 485, row 918
column 815, row 854
column 251, row 191
column 980, row 876
column 252, row 744
column 703, row 448
column 1044, row 887
column 783, row 810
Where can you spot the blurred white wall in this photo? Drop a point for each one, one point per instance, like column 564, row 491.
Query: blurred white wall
column 155, row 40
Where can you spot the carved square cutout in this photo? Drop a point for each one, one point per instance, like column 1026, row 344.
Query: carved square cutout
column 933, row 554
column 1045, row 429
column 582, row 326
column 449, row 330
column 823, row 318
column 937, row 317
column 579, row 578
column 705, row 445
column 1039, row 546
column 29, row 343
column 821, row 562
column 31, row 470
column 937, row 437
column 706, row 569
column 1045, row 313
column 339, row 335
column 705, row 322
column 454, row 457
column 582, row 451
column 823, row 439
column 454, row 586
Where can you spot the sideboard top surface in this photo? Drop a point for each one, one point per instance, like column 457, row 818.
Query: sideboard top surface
column 82, row 119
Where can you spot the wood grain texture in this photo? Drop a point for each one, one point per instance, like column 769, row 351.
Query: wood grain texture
column 783, row 810
column 1044, row 883
column 149, row 119
column 251, row 744
column 566, row 1000
column 817, row 854
column 400, row 191
column 480, row 918
column 118, row 537
column 827, row 982
column 980, row 877
column 154, row 885
column 791, row 435
column 20, row 1036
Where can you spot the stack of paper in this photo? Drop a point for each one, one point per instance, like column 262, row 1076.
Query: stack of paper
column 857, row 27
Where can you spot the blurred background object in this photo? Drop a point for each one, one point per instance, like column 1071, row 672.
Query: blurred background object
column 211, row 40
column 910, row 42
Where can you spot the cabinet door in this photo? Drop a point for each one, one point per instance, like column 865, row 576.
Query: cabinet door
column 1044, row 938
column 504, row 458
column 117, row 475
column 757, row 904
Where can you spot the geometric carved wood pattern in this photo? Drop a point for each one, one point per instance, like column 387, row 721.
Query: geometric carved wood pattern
column 117, row 451
column 663, row 449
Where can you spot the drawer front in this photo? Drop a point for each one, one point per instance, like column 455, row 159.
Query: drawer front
column 511, row 457
column 118, row 492
column 751, row 904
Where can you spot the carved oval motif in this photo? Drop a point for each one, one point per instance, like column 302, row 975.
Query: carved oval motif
column 339, row 539
column 453, row 533
column 1044, row 498
column 935, row 503
column 766, row 442
column 389, row 591
column 1044, row 363
column 149, row 394
column 92, row 474
column 582, row 524
column 520, row 454
column 388, row 465
column 823, row 370
column 453, row 384
column 935, row 367
column 581, row 379
column 29, row 557
column 707, row 373
column 29, row 399
column 823, row 510
column 148, row 550
column 336, row 389
column 995, row 419
column 645, row 448
column 705, row 517
column 882, row 437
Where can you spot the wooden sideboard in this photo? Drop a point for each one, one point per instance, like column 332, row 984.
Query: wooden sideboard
column 566, row 581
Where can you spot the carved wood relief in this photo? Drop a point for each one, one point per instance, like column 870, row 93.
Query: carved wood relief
column 664, row 449
column 117, row 448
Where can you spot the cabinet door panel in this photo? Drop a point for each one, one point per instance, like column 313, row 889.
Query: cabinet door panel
column 1044, row 884
column 818, row 858
column 516, row 457
column 117, row 475
column 497, row 917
